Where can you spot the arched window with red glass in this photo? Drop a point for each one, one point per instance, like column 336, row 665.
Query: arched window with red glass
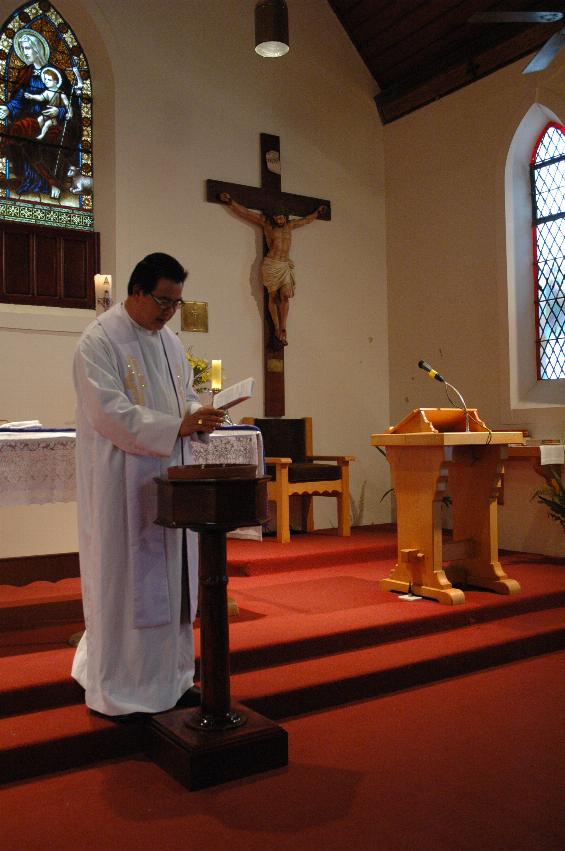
column 547, row 175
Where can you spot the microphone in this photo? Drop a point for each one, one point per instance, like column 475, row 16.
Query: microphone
column 433, row 374
column 430, row 370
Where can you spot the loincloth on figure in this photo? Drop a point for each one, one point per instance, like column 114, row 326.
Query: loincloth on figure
column 277, row 274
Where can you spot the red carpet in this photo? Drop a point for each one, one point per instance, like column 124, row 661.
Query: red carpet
column 306, row 639
column 473, row 762
column 306, row 552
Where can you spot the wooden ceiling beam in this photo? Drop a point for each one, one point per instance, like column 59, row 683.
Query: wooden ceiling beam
column 400, row 100
column 420, row 50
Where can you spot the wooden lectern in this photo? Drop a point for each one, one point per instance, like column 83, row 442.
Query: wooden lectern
column 222, row 740
column 431, row 455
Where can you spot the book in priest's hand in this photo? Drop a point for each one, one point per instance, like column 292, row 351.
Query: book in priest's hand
column 21, row 425
column 234, row 394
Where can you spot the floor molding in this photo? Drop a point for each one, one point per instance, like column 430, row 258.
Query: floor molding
column 38, row 568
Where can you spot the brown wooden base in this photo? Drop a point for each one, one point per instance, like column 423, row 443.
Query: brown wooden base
column 491, row 579
column 21, row 570
column 200, row 759
column 448, row 596
column 499, row 586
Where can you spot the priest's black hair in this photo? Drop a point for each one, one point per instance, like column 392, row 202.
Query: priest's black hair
column 154, row 267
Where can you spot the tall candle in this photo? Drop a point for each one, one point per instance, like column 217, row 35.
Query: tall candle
column 216, row 375
column 103, row 292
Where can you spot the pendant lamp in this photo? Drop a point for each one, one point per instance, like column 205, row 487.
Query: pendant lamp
column 271, row 28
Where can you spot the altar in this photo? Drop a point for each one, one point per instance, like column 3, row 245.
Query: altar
column 38, row 467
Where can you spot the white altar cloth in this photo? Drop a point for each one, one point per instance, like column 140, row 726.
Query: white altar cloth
column 234, row 445
column 39, row 467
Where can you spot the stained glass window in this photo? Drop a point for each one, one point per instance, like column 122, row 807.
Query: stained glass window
column 547, row 172
column 46, row 174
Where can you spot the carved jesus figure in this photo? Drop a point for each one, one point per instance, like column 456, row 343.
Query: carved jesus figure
column 277, row 270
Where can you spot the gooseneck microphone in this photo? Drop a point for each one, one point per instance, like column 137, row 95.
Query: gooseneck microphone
column 433, row 374
column 430, row 370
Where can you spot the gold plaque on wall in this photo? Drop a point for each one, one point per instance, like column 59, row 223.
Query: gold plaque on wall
column 194, row 316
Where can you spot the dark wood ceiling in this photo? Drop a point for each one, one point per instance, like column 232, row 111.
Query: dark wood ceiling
column 420, row 50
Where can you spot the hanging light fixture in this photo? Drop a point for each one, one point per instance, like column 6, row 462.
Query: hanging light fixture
column 271, row 28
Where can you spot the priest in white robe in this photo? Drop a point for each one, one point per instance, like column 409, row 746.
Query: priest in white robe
column 136, row 415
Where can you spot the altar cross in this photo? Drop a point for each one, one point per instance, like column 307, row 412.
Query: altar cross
column 265, row 198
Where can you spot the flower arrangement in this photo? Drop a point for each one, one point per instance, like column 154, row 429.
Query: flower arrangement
column 200, row 370
column 553, row 496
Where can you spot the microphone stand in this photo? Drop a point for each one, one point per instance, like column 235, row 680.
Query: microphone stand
column 433, row 373
column 463, row 405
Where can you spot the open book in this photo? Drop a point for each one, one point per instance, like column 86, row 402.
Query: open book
column 235, row 394
column 22, row 425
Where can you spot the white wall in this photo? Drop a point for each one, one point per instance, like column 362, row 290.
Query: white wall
column 447, row 265
column 179, row 97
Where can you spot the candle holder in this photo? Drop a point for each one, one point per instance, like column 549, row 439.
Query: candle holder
column 102, row 293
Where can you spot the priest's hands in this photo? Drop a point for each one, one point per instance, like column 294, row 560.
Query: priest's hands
column 204, row 420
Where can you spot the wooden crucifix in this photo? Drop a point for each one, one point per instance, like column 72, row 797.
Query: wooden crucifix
column 272, row 204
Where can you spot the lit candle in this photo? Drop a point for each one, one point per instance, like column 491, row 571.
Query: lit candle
column 216, row 376
column 103, row 292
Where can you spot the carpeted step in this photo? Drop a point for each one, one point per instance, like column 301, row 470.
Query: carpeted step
column 40, row 604
column 42, row 679
column 289, row 690
column 58, row 739
column 43, row 638
column 304, row 640
column 37, row 742
column 37, row 681
column 346, row 611
column 304, row 552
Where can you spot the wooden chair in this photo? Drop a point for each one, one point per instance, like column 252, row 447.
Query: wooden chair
column 295, row 470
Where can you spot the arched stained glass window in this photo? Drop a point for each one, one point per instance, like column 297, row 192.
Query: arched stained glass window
column 547, row 173
column 45, row 121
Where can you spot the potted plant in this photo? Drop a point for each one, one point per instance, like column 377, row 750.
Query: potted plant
column 553, row 494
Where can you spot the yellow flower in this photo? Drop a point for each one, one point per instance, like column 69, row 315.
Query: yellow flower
column 200, row 371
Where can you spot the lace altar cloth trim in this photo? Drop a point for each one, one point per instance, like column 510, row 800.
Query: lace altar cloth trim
column 38, row 467
column 238, row 448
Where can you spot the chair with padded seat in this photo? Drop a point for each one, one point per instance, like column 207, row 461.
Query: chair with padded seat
column 294, row 469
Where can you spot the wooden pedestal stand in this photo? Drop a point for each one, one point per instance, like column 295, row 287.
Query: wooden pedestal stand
column 220, row 741
column 430, row 456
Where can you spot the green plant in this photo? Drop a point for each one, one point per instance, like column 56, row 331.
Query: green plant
column 553, row 495
column 357, row 509
column 445, row 500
